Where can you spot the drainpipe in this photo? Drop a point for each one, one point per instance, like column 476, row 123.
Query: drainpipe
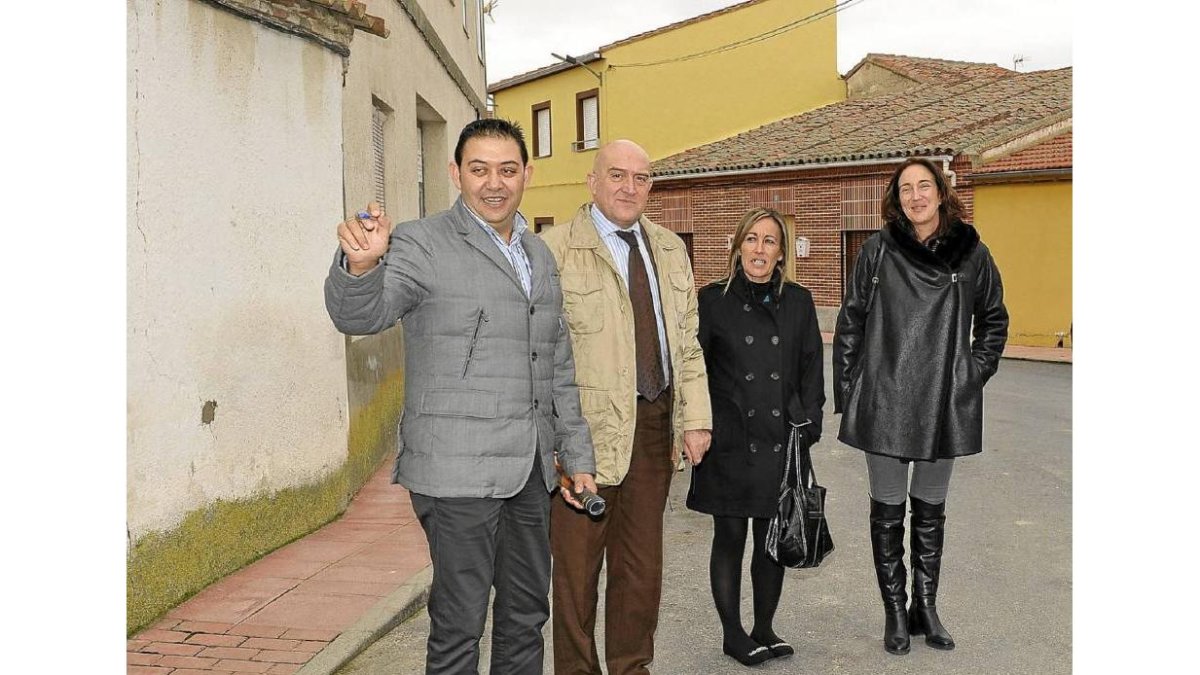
column 946, row 170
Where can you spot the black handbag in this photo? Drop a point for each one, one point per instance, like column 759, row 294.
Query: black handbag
column 798, row 535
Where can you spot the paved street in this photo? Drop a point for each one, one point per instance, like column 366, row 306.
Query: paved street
column 1006, row 586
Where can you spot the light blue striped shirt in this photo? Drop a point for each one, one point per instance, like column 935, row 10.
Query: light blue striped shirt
column 514, row 250
column 620, row 253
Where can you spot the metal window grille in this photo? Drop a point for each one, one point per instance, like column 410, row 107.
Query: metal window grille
column 378, row 118
column 861, row 199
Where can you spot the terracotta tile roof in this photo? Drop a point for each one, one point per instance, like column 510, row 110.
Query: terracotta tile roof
column 932, row 71
column 963, row 118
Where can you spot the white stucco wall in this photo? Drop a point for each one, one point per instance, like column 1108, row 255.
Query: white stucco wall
column 397, row 70
column 235, row 180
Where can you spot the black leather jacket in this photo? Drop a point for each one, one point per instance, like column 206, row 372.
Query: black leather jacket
column 908, row 378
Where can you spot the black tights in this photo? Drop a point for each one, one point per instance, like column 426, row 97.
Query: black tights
column 725, row 575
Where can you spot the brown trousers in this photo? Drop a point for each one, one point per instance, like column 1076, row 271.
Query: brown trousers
column 629, row 537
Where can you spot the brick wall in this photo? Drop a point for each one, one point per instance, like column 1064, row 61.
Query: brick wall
column 813, row 198
column 1055, row 153
column 328, row 22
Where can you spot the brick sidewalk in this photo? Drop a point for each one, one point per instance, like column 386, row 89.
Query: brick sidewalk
column 279, row 612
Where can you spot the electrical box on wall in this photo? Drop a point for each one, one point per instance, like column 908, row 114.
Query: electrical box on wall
column 802, row 247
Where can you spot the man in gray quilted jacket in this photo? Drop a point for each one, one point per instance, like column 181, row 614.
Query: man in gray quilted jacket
column 490, row 396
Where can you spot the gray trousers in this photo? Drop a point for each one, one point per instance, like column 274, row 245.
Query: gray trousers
column 889, row 479
column 477, row 544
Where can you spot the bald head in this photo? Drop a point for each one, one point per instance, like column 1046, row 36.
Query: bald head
column 620, row 181
column 621, row 149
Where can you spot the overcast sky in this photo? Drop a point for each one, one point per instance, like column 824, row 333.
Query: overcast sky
column 524, row 32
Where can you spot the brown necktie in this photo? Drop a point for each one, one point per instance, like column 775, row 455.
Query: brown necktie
column 645, row 324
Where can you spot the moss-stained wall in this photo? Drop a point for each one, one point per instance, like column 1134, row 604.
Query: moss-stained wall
column 165, row 568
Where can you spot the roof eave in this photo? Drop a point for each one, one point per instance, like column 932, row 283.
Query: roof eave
column 539, row 73
column 1020, row 139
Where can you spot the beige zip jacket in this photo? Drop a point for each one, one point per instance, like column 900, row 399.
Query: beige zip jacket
column 600, row 318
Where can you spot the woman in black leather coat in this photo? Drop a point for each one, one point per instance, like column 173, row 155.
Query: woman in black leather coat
column 908, row 379
column 763, row 353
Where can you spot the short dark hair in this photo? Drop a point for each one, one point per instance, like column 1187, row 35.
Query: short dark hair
column 950, row 211
column 491, row 127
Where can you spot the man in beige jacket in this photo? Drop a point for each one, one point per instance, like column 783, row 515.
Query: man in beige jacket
column 630, row 303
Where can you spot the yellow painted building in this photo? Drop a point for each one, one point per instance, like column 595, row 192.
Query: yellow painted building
column 1027, row 226
column 674, row 88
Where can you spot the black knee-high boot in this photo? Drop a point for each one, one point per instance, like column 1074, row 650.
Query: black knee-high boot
column 887, row 545
column 928, row 535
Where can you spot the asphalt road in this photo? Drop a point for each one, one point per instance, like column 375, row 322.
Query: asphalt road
column 1006, row 584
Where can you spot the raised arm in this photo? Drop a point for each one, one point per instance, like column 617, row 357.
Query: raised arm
column 377, row 276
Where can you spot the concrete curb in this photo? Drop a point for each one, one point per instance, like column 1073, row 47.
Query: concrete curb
column 388, row 613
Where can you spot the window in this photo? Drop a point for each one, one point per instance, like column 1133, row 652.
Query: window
column 860, row 203
column 541, row 129
column 542, row 223
column 420, row 169
column 479, row 33
column 433, row 184
column 587, row 120
column 379, row 177
column 860, row 218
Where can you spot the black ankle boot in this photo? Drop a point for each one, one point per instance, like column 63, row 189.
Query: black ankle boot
column 928, row 534
column 887, row 545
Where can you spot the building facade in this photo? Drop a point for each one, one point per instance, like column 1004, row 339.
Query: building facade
column 670, row 89
column 1006, row 142
column 252, row 129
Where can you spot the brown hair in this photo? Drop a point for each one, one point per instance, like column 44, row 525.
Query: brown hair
column 949, row 211
column 739, row 235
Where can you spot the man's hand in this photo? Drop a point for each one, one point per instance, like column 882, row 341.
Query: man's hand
column 364, row 240
column 695, row 444
column 582, row 481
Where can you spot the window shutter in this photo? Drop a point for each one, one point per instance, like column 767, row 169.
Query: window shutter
column 377, row 119
column 420, row 170
column 591, row 121
column 543, row 132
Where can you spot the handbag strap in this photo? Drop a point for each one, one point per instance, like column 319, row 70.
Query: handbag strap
column 804, row 466
column 791, row 469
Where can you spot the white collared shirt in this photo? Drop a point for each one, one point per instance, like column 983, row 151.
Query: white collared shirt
column 620, row 253
column 514, row 250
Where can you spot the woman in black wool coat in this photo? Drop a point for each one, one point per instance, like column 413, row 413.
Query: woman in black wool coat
column 908, row 380
column 763, row 352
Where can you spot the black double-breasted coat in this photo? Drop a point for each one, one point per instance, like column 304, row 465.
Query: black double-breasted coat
column 920, row 332
column 765, row 371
